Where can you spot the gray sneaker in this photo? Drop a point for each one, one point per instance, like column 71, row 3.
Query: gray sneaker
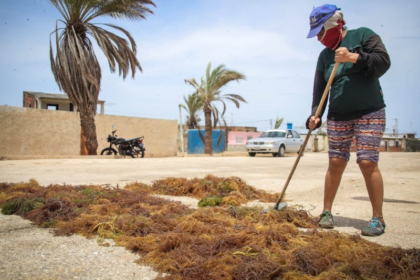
column 326, row 220
column 374, row 228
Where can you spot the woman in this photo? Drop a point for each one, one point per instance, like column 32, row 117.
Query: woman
column 356, row 106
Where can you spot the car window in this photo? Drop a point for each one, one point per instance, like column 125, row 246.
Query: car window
column 289, row 133
column 295, row 134
column 273, row 134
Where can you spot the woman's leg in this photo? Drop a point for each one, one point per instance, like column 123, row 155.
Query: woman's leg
column 374, row 185
column 335, row 171
column 340, row 135
column 368, row 132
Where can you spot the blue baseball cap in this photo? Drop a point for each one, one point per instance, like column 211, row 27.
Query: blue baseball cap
column 319, row 16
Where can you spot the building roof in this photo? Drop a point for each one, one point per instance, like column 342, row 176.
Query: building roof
column 50, row 95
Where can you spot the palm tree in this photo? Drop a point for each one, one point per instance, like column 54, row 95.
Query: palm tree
column 209, row 91
column 193, row 106
column 278, row 123
column 75, row 66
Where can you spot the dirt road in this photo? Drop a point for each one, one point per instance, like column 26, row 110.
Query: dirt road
column 401, row 173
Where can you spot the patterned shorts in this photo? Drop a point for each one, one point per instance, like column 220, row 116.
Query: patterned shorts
column 367, row 132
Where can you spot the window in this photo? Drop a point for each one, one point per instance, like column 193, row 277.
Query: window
column 238, row 140
column 71, row 107
column 295, row 134
column 52, row 107
column 249, row 137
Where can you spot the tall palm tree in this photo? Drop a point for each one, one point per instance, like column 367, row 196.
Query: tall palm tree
column 75, row 66
column 278, row 123
column 209, row 91
column 193, row 106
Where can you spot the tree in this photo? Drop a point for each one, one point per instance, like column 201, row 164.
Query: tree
column 209, row 90
column 193, row 106
column 75, row 66
column 278, row 123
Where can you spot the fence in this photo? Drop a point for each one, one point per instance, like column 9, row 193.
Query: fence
column 412, row 145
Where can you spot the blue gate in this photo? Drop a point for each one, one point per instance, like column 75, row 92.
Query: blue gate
column 196, row 146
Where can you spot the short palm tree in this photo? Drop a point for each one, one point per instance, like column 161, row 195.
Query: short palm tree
column 278, row 123
column 209, row 91
column 75, row 66
column 193, row 106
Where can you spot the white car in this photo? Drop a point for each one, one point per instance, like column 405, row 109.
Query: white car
column 275, row 141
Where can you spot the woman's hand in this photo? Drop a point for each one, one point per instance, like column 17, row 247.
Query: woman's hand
column 343, row 55
column 313, row 122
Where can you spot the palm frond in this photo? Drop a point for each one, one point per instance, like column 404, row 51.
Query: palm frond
column 193, row 106
column 116, row 49
column 278, row 122
column 130, row 9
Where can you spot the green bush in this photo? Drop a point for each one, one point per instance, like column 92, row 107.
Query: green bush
column 21, row 205
column 210, row 201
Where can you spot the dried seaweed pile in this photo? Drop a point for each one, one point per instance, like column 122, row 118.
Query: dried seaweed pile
column 210, row 242
column 213, row 190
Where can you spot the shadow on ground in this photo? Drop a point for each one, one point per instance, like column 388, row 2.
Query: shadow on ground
column 357, row 224
column 365, row 198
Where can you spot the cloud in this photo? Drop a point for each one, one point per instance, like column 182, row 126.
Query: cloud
column 257, row 52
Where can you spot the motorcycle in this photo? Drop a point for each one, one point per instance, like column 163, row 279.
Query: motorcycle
column 131, row 147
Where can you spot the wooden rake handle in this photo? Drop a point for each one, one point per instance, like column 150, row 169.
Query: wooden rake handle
column 318, row 112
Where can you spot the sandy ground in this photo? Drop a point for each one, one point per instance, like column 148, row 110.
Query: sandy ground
column 352, row 210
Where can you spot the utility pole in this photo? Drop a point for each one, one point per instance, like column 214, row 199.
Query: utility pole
column 396, row 128
column 182, row 132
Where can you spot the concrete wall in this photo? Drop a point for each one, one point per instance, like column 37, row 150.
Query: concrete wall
column 234, row 140
column 240, row 137
column 27, row 131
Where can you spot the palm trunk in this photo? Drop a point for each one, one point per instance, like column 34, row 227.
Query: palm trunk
column 208, row 133
column 87, row 122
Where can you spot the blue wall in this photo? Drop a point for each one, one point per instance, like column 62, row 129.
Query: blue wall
column 196, row 146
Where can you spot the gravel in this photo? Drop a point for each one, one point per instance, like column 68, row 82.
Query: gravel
column 29, row 252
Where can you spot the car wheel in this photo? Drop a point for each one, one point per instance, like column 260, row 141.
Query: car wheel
column 281, row 151
column 252, row 154
column 274, row 154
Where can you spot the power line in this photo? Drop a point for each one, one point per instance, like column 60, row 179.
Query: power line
column 254, row 121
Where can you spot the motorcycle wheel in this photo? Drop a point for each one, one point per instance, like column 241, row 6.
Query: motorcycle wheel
column 139, row 152
column 108, row 151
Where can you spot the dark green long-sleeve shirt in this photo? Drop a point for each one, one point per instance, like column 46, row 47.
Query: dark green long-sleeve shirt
column 355, row 90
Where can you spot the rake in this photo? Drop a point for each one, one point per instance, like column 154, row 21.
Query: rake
column 282, row 205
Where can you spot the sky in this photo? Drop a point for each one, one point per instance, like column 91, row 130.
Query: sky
column 266, row 41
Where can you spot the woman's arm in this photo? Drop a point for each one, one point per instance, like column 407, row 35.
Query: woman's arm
column 319, row 87
column 372, row 58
